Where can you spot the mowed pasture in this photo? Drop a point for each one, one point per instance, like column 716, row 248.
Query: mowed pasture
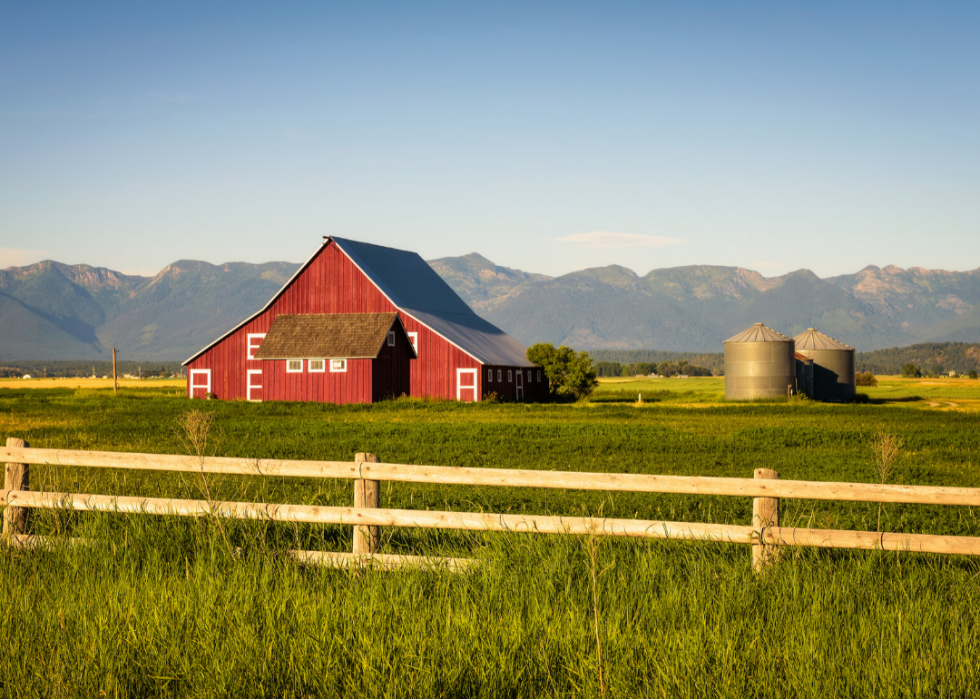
column 177, row 607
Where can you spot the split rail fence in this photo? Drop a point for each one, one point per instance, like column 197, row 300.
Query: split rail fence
column 764, row 534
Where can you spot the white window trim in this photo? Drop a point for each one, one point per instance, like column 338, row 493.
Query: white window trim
column 338, row 371
column 510, row 376
column 500, row 375
column 391, row 338
column 475, row 387
column 249, row 349
column 249, row 373
column 322, row 369
column 192, row 386
column 489, row 375
column 294, row 371
column 414, row 339
column 520, row 385
column 539, row 375
column 529, row 376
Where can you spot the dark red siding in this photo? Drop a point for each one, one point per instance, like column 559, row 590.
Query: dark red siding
column 506, row 389
column 333, row 284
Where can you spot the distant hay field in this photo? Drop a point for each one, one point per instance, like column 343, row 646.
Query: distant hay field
column 91, row 383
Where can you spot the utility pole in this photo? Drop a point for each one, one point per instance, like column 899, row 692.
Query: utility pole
column 115, row 386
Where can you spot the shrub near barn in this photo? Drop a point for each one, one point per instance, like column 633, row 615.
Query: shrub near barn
column 569, row 373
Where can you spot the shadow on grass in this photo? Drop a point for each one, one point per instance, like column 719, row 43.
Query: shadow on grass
column 865, row 399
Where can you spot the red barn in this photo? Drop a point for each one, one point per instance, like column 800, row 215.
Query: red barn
column 316, row 338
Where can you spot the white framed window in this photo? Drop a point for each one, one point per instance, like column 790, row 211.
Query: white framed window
column 490, row 375
column 529, row 376
column 500, row 374
column 294, row 366
column 338, row 366
column 391, row 338
column 539, row 375
column 316, row 366
column 253, row 342
column 253, row 387
column 510, row 375
column 414, row 339
column 200, row 383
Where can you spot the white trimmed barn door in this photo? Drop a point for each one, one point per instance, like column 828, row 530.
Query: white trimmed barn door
column 200, row 383
column 253, row 385
column 466, row 387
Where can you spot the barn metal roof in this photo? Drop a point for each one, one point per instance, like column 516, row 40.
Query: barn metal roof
column 335, row 335
column 812, row 339
column 758, row 333
column 415, row 288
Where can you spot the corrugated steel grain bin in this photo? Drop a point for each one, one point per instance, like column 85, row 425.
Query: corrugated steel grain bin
column 833, row 365
column 759, row 363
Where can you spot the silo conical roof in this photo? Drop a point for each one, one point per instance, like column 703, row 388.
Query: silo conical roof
column 812, row 339
column 758, row 333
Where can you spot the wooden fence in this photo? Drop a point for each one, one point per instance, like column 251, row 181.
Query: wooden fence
column 764, row 533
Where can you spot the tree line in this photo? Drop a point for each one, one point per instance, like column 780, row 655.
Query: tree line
column 665, row 368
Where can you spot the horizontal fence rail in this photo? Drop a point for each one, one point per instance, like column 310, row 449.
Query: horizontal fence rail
column 514, row 478
column 764, row 534
column 533, row 524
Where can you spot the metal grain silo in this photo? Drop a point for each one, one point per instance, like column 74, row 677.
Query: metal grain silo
column 759, row 363
column 833, row 365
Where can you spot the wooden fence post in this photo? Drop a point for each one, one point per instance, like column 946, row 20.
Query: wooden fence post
column 16, row 477
column 367, row 493
column 765, row 514
column 115, row 384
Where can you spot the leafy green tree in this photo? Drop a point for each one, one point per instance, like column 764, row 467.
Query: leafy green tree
column 972, row 374
column 569, row 373
column 865, row 379
column 911, row 371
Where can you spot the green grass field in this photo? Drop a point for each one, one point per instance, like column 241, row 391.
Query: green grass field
column 162, row 608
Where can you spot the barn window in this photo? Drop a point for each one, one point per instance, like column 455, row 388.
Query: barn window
column 414, row 338
column 338, row 365
column 510, row 375
column 316, row 366
column 391, row 339
column 254, row 340
column 500, row 374
column 294, row 366
column 490, row 375
column 539, row 375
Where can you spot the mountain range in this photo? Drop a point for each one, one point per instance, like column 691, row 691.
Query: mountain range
column 51, row 310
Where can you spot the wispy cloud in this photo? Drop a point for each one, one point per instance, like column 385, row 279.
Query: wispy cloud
column 604, row 239
column 19, row 257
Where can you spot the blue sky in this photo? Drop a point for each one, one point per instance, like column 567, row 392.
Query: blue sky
column 545, row 136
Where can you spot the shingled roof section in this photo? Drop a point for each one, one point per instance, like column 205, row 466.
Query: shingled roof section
column 340, row 335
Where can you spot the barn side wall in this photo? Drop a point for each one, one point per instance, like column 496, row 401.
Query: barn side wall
column 352, row 386
column 507, row 390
